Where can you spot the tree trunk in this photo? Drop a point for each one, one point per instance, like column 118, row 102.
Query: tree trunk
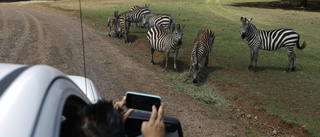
column 304, row 3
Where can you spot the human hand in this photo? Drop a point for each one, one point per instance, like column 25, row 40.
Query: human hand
column 119, row 105
column 155, row 126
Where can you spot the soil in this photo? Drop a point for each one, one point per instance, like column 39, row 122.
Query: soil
column 33, row 36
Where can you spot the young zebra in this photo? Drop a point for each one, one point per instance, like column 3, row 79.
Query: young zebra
column 270, row 40
column 112, row 22
column 163, row 20
column 163, row 41
column 201, row 49
column 137, row 15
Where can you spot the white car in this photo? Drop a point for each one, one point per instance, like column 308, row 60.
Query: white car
column 34, row 100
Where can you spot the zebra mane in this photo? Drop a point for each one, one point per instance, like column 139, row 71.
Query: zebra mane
column 196, row 59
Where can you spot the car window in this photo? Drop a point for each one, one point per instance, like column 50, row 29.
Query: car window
column 69, row 114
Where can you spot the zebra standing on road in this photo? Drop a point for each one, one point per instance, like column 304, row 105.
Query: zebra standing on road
column 270, row 40
column 164, row 20
column 163, row 41
column 137, row 15
column 201, row 49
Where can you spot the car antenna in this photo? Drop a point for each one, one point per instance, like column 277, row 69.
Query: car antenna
column 83, row 49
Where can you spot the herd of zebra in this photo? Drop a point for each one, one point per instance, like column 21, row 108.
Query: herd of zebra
column 164, row 35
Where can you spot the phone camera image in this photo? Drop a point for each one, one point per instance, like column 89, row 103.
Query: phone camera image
column 142, row 102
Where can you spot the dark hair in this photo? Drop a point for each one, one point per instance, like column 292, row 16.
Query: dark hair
column 94, row 120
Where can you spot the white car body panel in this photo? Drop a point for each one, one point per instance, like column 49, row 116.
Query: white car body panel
column 33, row 102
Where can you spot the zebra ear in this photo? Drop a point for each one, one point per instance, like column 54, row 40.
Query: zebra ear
column 250, row 19
column 183, row 26
column 241, row 19
column 116, row 14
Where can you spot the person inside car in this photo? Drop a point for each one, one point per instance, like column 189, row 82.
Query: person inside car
column 105, row 119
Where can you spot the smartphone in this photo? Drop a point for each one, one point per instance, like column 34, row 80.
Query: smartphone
column 141, row 101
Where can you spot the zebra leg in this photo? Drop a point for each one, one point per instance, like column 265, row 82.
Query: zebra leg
column 152, row 51
column 206, row 61
column 167, row 58
column 175, row 54
column 109, row 31
column 293, row 61
column 251, row 59
column 255, row 56
column 290, row 57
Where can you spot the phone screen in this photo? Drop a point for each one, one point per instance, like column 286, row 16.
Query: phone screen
column 141, row 102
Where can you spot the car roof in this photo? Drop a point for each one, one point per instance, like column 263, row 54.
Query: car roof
column 22, row 92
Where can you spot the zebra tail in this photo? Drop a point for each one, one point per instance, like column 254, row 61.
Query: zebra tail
column 303, row 45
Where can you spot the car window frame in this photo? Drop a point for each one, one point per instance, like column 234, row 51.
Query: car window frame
column 60, row 92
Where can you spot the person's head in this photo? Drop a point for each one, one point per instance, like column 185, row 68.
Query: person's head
column 95, row 120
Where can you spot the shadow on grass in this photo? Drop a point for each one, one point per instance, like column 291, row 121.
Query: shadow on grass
column 205, row 73
column 283, row 4
column 180, row 64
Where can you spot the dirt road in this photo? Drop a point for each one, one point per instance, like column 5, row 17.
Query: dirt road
column 32, row 36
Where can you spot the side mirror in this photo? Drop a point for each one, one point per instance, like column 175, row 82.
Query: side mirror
column 134, row 122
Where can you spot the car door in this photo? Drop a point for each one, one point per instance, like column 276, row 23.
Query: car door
column 62, row 94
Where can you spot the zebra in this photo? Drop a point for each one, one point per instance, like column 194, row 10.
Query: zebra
column 164, row 20
column 201, row 49
column 122, row 25
column 270, row 40
column 112, row 22
column 163, row 41
column 136, row 15
column 133, row 8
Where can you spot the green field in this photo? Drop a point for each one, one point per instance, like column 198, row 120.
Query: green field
column 293, row 96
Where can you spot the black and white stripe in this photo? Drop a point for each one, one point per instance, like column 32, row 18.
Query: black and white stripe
column 163, row 41
column 112, row 22
column 201, row 49
column 133, row 8
column 122, row 25
column 164, row 20
column 137, row 15
column 270, row 40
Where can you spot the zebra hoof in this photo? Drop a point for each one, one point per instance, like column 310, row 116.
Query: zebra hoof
column 293, row 68
column 175, row 69
column 152, row 62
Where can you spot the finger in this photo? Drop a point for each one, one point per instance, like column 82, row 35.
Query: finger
column 144, row 125
column 126, row 115
column 153, row 116
column 161, row 113
column 123, row 101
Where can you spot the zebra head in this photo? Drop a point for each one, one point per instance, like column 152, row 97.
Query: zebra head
column 178, row 33
column 244, row 26
column 196, row 67
column 145, row 18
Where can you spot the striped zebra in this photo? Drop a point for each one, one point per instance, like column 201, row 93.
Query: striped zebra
column 163, row 41
column 112, row 22
column 122, row 25
column 270, row 40
column 137, row 15
column 163, row 20
column 201, row 49
column 133, row 8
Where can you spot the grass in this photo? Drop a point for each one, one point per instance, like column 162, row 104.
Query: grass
column 294, row 96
